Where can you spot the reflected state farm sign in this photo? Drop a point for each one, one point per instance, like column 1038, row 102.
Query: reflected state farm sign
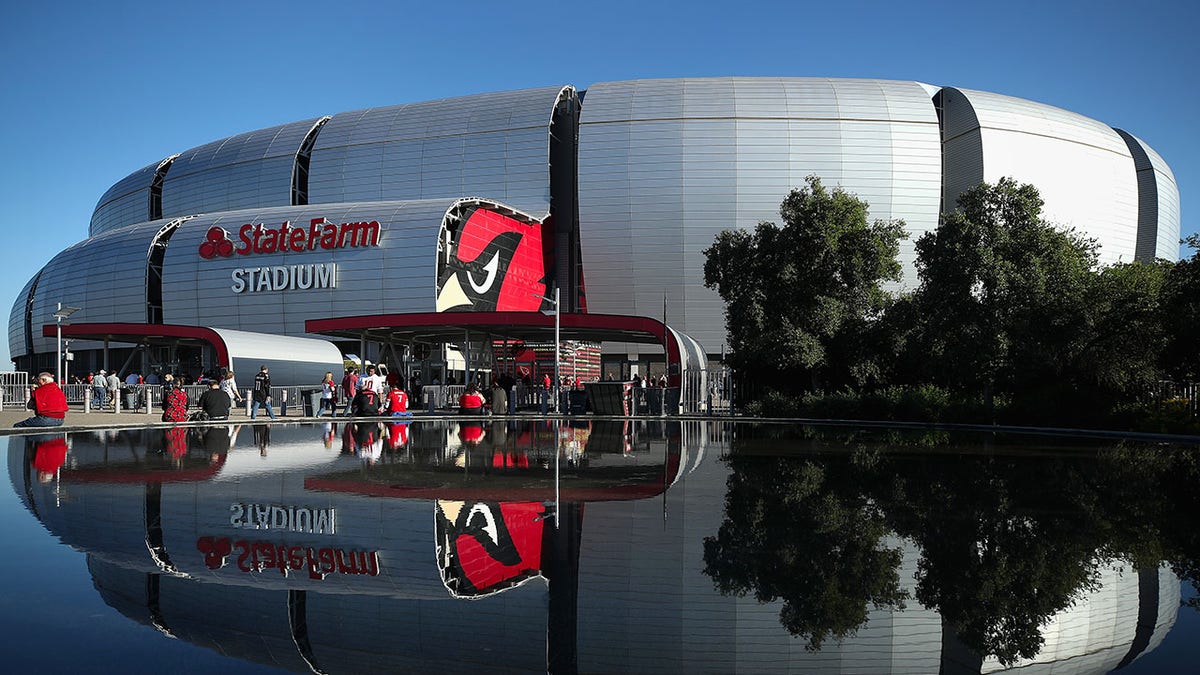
column 287, row 238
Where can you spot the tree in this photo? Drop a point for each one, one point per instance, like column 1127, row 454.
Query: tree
column 1118, row 353
column 1002, row 292
column 798, row 294
column 1181, row 316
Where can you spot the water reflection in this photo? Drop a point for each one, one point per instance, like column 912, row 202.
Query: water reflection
column 695, row 546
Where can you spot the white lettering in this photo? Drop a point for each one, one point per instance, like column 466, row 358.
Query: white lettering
column 278, row 517
column 284, row 277
column 304, row 277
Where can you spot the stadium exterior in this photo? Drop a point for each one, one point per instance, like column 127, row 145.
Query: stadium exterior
column 491, row 203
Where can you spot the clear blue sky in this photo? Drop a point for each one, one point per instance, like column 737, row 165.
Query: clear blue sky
column 94, row 90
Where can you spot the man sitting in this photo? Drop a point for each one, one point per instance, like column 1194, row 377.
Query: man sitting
column 215, row 402
column 48, row 403
column 365, row 403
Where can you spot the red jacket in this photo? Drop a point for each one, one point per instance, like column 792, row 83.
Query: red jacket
column 471, row 401
column 49, row 401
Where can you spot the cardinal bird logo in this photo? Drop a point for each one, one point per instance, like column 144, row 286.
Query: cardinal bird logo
column 488, row 547
column 496, row 264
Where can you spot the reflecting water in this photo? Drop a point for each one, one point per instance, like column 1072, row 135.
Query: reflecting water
column 605, row 547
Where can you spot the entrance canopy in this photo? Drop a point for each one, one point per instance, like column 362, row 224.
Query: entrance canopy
column 444, row 327
column 683, row 354
column 291, row 360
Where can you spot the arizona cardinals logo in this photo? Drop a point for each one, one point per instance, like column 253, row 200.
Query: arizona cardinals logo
column 496, row 264
column 488, row 547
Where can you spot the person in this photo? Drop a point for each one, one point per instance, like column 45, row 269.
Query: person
column 366, row 402
column 499, row 399
column 229, row 386
column 397, row 402
column 262, row 438
column 373, row 380
column 50, row 452
column 99, row 389
column 48, row 403
column 471, row 402
column 350, row 387
column 174, row 400
column 114, row 388
column 215, row 402
column 328, row 395
column 368, row 439
column 262, row 393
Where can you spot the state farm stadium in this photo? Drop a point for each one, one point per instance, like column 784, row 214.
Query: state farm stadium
column 435, row 236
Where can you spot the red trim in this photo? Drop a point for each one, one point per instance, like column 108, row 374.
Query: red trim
column 135, row 332
column 508, row 322
column 119, row 476
column 484, row 494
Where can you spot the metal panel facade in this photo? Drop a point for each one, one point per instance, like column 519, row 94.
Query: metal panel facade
column 105, row 276
column 665, row 165
column 491, row 145
column 398, row 275
column 1082, row 168
column 1158, row 202
column 249, row 170
column 125, row 203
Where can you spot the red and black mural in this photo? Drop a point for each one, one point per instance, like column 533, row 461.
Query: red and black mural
column 492, row 263
column 488, row 547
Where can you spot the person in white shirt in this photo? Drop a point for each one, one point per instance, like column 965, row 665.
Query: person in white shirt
column 229, row 386
column 374, row 381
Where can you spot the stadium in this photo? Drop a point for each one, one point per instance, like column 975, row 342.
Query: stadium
column 449, row 236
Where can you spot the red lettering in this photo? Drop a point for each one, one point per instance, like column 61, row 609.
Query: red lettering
column 243, row 552
column 244, row 235
column 259, row 239
column 329, row 236
column 314, row 232
column 270, row 242
column 296, row 239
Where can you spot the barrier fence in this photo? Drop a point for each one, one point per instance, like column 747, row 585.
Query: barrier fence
column 702, row 393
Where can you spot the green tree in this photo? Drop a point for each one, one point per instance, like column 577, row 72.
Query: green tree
column 1118, row 351
column 1002, row 292
column 1181, row 316
column 798, row 297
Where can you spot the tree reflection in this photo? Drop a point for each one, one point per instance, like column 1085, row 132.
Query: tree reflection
column 1006, row 540
column 798, row 531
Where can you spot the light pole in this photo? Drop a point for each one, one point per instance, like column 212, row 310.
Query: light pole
column 60, row 314
column 556, row 343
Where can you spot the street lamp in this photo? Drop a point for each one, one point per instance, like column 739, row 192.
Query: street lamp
column 60, row 314
column 556, row 342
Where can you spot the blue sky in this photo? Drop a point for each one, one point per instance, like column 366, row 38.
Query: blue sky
column 95, row 90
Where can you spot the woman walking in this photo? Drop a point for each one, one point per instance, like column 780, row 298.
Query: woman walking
column 328, row 395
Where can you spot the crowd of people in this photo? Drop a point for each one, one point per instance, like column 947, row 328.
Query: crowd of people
column 359, row 394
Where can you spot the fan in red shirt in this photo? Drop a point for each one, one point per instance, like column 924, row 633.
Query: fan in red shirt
column 397, row 403
column 471, row 402
column 48, row 403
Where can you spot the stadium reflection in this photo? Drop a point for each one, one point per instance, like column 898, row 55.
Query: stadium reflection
column 622, row 546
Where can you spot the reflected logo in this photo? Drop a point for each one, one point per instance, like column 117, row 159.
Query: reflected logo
column 259, row 556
